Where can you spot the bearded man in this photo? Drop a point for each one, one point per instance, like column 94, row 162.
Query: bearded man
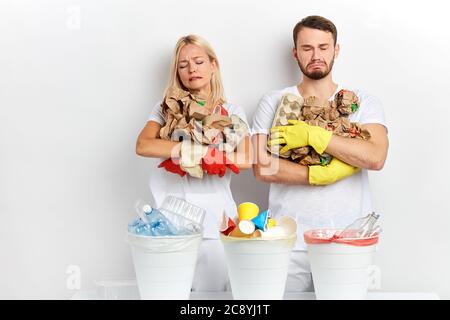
column 331, row 195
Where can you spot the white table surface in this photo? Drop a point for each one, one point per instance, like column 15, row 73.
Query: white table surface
column 131, row 293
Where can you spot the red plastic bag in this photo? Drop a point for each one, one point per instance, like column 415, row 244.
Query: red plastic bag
column 322, row 236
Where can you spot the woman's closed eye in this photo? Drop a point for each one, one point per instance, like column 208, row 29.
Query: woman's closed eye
column 184, row 65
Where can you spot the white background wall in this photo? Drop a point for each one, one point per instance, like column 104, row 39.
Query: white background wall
column 77, row 81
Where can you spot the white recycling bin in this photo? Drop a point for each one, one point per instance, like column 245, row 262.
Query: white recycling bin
column 257, row 267
column 164, row 266
column 342, row 269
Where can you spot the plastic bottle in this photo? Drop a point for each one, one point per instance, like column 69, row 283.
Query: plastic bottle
column 159, row 225
column 367, row 228
column 151, row 222
column 134, row 225
column 361, row 227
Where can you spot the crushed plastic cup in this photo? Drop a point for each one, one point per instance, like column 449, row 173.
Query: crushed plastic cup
column 228, row 225
column 342, row 268
column 271, row 222
column 260, row 220
column 288, row 224
column 258, row 267
column 164, row 266
column 246, row 226
column 236, row 232
column 247, row 211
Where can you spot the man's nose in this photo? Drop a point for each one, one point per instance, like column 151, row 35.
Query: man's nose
column 316, row 55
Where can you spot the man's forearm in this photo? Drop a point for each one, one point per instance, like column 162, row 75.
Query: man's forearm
column 369, row 154
column 272, row 169
column 356, row 152
column 282, row 171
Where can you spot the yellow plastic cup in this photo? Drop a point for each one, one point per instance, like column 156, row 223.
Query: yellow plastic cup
column 247, row 211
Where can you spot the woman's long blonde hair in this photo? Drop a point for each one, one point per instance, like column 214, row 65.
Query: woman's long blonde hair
column 217, row 95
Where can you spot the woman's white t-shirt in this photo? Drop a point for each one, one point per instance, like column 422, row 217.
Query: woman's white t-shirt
column 212, row 193
column 335, row 205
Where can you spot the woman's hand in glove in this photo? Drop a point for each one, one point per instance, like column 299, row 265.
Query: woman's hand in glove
column 171, row 166
column 216, row 162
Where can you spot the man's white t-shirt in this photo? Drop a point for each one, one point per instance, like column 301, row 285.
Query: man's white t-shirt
column 335, row 205
column 213, row 193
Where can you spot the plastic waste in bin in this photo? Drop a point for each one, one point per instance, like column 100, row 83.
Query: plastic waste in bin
column 341, row 267
column 165, row 264
column 258, row 262
column 257, row 267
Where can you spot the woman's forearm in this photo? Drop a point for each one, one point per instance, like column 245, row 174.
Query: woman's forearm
column 243, row 156
column 158, row 148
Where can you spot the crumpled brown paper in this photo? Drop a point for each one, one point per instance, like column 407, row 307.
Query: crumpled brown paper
column 330, row 115
column 186, row 119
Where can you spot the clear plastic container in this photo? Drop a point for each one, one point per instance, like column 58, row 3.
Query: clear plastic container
column 181, row 207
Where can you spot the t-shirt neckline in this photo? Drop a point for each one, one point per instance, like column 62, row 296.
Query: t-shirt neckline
column 339, row 88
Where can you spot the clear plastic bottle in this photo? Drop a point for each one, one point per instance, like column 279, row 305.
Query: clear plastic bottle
column 134, row 226
column 159, row 224
column 361, row 228
column 368, row 228
column 151, row 222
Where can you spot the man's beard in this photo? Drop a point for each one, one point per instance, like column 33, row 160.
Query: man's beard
column 317, row 74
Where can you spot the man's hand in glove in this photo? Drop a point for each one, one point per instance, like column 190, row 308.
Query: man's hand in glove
column 299, row 134
column 331, row 173
column 216, row 162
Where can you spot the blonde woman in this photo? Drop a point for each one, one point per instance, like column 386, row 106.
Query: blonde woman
column 195, row 69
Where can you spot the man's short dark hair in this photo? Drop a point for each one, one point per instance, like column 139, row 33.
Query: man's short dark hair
column 315, row 22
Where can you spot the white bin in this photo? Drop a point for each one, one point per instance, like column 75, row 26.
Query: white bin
column 164, row 265
column 341, row 271
column 257, row 267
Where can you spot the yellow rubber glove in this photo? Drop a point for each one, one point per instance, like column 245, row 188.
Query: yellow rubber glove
column 331, row 173
column 299, row 134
